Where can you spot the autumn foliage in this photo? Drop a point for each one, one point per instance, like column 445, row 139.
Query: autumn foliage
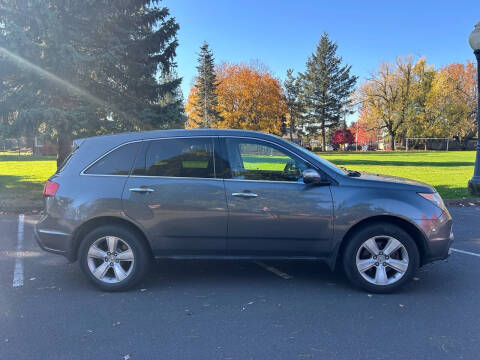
column 248, row 98
column 341, row 137
column 362, row 134
column 413, row 99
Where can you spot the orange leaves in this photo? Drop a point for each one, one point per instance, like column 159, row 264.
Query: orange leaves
column 361, row 132
column 248, row 98
column 192, row 111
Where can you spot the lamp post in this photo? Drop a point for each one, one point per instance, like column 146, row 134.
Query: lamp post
column 474, row 40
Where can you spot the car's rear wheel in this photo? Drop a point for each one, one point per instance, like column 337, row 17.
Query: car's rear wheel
column 113, row 257
column 380, row 258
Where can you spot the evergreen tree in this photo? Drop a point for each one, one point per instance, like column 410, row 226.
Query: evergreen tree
column 292, row 88
column 326, row 89
column 206, row 85
column 173, row 101
column 87, row 67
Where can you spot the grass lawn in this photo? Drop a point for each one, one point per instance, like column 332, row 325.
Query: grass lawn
column 448, row 171
column 22, row 177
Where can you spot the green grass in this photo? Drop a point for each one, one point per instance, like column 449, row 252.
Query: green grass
column 22, row 177
column 448, row 171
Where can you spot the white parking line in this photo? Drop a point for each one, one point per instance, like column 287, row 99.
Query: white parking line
column 465, row 252
column 273, row 270
column 18, row 269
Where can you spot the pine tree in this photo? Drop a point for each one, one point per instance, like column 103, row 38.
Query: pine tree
column 87, row 67
column 326, row 89
column 206, row 85
column 294, row 104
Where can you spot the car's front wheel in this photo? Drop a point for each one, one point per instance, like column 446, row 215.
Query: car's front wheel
column 380, row 258
column 113, row 257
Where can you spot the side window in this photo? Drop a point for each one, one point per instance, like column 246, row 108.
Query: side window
column 189, row 157
column 118, row 162
column 258, row 160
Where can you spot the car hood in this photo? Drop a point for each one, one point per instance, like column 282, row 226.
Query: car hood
column 394, row 181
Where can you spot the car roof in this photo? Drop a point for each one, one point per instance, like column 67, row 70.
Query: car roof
column 141, row 135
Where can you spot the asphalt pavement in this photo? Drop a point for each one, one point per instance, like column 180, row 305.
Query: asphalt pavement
column 236, row 309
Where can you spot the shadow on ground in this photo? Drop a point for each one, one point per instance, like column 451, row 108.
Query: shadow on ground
column 20, row 193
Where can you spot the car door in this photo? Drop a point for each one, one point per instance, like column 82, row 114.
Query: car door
column 174, row 194
column 271, row 211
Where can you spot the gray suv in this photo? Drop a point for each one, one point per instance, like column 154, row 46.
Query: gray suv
column 122, row 200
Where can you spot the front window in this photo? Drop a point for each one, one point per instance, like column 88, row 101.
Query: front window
column 259, row 160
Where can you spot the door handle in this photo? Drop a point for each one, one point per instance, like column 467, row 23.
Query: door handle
column 245, row 194
column 142, row 190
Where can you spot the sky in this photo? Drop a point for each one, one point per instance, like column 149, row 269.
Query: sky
column 283, row 34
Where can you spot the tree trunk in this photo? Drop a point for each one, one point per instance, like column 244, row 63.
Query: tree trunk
column 64, row 143
column 392, row 142
column 31, row 142
column 324, row 139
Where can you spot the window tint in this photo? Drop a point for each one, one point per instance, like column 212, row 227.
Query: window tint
column 118, row 162
column 67, row 159
column 178, row 158
column 258, row 160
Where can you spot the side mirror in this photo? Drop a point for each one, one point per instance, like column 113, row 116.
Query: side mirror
column 311, row 176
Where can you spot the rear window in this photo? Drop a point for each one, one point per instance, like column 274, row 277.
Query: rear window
column 117, row 162
column 186, row 157
column 67, row 159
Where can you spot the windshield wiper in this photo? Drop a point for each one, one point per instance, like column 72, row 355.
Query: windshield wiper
column 352, row 173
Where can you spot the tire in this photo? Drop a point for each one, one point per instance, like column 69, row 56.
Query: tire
column 119, row 270
column 386, row 271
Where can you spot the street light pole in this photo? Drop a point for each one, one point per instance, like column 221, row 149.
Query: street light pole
column 474, row 183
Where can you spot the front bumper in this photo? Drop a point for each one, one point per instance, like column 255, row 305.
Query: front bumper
column 439, row 237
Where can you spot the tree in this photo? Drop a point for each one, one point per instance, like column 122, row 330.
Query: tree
column 361, row 133
column 453, row 101
column 421, row 121
column 386, row 97
column 326, row 89
column 292, row 88
column 174, row 116
column 342, row 137
column 87, row 67
column 202, row 108
column 248, row 98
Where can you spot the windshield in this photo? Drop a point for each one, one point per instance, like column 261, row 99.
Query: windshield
column 324, row 162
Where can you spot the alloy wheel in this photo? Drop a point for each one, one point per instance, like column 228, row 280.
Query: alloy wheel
column 110, row 259
column 382, row 260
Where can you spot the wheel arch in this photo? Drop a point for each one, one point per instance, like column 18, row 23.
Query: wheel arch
column 91, row 224
column 412, row 230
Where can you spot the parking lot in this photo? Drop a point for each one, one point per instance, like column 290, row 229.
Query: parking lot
column 236, row 309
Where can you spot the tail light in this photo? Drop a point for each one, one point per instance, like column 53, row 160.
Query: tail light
column 50, row 188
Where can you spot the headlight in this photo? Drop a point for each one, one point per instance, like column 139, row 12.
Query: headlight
column 434, row 198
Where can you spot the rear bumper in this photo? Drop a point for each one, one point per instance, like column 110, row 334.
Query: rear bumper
column 53, row 241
